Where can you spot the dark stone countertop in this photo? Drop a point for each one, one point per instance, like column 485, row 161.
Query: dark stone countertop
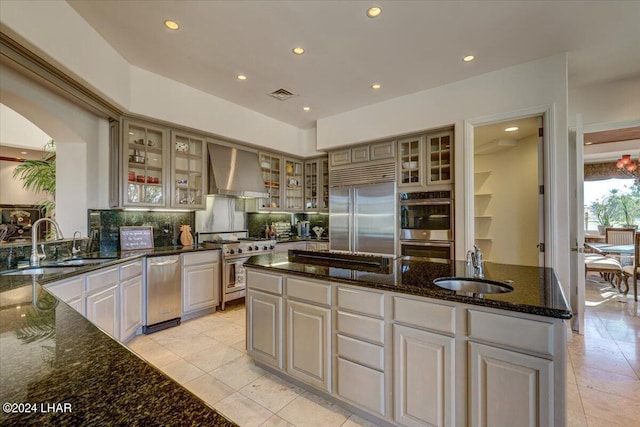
column 536, row 290
column 53, row 355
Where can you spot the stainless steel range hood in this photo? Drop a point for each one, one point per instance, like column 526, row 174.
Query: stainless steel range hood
column 234, row 172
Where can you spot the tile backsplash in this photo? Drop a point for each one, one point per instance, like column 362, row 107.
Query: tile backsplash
column 104, row 226
column 256, row 222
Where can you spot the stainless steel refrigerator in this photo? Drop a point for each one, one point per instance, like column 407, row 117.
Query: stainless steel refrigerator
column 362, row 218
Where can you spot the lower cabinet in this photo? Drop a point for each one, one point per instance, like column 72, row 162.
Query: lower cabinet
column 424, row 373
column 200, row 282
column 509, row 388
column 132, row 303
column 71, row 291
column 361, row 385
column 308, row 343
column 102, row 310
column 264, row 327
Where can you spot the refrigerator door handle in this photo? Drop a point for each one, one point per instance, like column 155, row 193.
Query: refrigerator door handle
column 353, row 214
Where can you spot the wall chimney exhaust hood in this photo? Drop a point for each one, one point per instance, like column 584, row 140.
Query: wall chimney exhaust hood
column 234, row 172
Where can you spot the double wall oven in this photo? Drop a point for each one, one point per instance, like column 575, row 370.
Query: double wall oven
column 426, row 225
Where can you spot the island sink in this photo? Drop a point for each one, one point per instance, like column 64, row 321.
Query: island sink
column 472, row 287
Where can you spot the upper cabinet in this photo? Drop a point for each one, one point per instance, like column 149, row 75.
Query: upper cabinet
column 271, row 167
column 439, row 158
column 363, row 153
column 316, row 185
column 158, row 172
column 293, row 185
column 425, row 160
column 188, row 171
column 145, row 165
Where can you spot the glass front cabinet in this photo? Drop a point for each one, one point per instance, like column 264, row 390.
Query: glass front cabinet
column 439, row 158
column 158, row 172
column 145, row 165
column 410, row 162
column 270, row 165
column 316, row 185
column 293, row 185
column 188, row 171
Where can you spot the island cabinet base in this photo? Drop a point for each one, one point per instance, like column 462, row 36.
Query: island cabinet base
column 401, row 359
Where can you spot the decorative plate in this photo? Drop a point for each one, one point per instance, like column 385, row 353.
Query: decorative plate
column 182, row 146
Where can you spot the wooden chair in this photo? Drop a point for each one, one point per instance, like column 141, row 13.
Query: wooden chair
column 609, row 268
column 633, row 270
column 619, row 236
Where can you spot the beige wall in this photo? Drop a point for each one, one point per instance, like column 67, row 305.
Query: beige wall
column 512, row 182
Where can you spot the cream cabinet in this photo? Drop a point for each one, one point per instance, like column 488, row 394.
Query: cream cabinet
column 188, row 171
column 71, row 291
column 265, row 318
column 145, row 165
column 425, row 160
column 411, row 167
column 271, row 168
column 293, row 197
column 316, row 185
column 363, row 153
column 509, row 388
column 200, row 283
column 101, row 290
column 131, row 289
column 440, row 158
column 424, row 377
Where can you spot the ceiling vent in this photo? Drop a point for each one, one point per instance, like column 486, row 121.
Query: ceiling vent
column 282, row 94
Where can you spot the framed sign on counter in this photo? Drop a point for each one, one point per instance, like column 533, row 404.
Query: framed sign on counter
column 136, row 237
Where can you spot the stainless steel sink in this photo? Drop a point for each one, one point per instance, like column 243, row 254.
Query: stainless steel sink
column 83, row 261
column 472, row 287
column 40, row 270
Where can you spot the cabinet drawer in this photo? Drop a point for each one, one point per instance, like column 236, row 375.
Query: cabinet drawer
column 308, row 290
column 360, row 154
column 366, row 302
column 524, row 334
column 130, row 270
column 204, row 257
column 67, row 290
column 424, row 314
column 367, row 354
column 102, row 279
column 362, row 385
column 361, row 327
column 264, row 282
column 383, row 150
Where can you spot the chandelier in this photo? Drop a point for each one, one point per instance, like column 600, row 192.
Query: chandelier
column 629, row 167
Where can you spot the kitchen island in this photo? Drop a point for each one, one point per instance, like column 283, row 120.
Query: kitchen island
column 399, row 350
column 58, row 368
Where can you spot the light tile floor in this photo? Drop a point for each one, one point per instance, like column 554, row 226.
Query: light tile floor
column 207, row 355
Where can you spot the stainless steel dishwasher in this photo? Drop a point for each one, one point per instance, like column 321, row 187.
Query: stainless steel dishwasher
column 164, row 293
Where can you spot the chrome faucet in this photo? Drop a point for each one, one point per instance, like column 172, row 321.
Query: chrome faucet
column 474, row 258
column 75, row 250
column 35, row 257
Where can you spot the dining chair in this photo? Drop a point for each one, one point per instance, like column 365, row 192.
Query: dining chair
column 609, row 268
column 619, row 236
column 633, row 270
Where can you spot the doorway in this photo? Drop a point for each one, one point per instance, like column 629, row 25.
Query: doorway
column 508, row 175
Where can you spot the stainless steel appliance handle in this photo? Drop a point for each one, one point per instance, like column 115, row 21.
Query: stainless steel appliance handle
column 159, row 264
column 423, row 243
column 425, row 202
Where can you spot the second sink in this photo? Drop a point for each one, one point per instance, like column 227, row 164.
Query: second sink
column 472, row 287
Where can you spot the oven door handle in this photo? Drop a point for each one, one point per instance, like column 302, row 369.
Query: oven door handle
column 425, row 203
column 423, row 243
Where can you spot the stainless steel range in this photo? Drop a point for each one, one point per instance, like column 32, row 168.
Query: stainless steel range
column 234, row 254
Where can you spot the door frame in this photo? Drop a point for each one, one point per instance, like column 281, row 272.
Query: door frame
column 549, row 172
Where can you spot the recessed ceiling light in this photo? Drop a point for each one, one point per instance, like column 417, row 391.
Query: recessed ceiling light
column 172, row 25
column 468, row 58
column 512, row 129
column 374, row 12
column 376, row 86
column 130, row 133
column 241, row 77
column 23, row 152
column 588, row 143
column 306, row 108
column 298, row 50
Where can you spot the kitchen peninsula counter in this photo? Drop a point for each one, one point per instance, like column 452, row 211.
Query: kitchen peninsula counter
column 535, row 290
column 58, row 368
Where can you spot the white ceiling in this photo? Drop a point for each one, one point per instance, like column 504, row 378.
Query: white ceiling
column 411, row 46
column 491, row 138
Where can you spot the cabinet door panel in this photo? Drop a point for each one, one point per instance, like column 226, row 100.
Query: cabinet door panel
column 308, row 343
column 131, row 303
column 508, row 388
column 200, row 287
column 424, row 369
column 264, row 327
column 102, row 310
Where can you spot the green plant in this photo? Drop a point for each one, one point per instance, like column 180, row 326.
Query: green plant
column 603, row 211
column 40, row 176
column 629, row 208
